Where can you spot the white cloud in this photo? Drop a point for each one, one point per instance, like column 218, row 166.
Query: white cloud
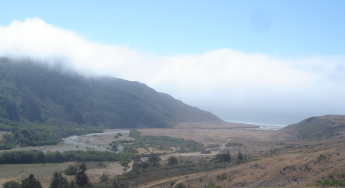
column 219, row 79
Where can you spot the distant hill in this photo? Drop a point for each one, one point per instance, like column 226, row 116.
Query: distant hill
column 38, row 97
column 319, row 127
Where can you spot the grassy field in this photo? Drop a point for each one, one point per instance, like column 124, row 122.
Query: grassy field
column 23, row 170
column 44, row 172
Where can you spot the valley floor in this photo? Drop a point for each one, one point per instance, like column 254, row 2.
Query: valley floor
column 277, row 159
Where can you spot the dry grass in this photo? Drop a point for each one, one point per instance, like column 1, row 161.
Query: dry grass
column 45, row 172
column 213, row 125
column 269, row 171
column 215, row 136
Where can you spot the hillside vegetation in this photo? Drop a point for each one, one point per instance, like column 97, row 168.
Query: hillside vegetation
column 40, row 102
column 319, row 127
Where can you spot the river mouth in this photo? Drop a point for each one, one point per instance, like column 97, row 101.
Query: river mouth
column 75, row 140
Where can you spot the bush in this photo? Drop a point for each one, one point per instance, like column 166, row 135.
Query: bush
column 104, row 178
column 321, row 158
column 233, row 144
column 124, row 163
column 101, row 165
column 180, row 185
column 116, row 136
column 119, row 134
column 11, row 184
column 172, row 160
column 71, row 170
column 222, row 177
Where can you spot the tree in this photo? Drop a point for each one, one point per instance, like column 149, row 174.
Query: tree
column 7, row 137
column 113, row 148
column 154, row 159
column 58, row 181
column 172, row 160
column 223, row 157
column 40, row 157
column 240, row 156
column 31, row 182
column 71, row 170
column 80, row 178
column 73, row 185
column 11, row 184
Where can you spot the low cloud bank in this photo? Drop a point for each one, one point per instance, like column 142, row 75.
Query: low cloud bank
column 232, row 84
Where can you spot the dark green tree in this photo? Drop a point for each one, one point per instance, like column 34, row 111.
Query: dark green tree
column 31, row 182
column 58, row 181
column 12, row 110
column 154, row 159
column 223, row 157
column 73, row 185
column 41, row 157
column 240, row 156
column 58, row 157
column 71, row 170
column 81, row 178
column 7, row 137
column 172, row 160
column 11, row 184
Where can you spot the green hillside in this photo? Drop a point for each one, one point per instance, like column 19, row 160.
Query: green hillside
column 35, row 97
column 319, row 127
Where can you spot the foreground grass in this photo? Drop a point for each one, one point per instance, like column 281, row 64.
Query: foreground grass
column 23, row 170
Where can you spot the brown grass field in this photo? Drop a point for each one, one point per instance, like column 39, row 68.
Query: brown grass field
column 269, row 171
column 265, row 171
column 213, row 125
column 44, row 173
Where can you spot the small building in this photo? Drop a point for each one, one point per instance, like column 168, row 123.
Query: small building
column 205, row 151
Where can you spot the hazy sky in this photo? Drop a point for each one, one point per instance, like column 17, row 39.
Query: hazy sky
column 268, row 62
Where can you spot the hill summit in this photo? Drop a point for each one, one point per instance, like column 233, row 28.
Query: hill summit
column 38, row 97
column 319, row 127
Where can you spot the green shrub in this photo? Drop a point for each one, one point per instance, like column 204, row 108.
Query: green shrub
column 104, row 178
column 180, row 185
column 124, row 163
column 321, row 158
column 71, row 170
column 11, row 184
column 222, row 177
column 101, row 165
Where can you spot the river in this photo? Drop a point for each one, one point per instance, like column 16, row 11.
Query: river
column 74, row 140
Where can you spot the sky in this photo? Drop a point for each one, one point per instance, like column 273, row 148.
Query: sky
column 263, row 62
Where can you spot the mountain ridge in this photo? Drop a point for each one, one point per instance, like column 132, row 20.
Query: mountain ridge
column 41, row 97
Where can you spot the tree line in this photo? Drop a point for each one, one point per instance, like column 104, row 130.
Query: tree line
column 35, row 156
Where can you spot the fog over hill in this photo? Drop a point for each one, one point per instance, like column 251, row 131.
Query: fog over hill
column 39, row 96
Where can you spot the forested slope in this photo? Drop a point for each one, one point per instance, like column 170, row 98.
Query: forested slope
column 35, row 96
